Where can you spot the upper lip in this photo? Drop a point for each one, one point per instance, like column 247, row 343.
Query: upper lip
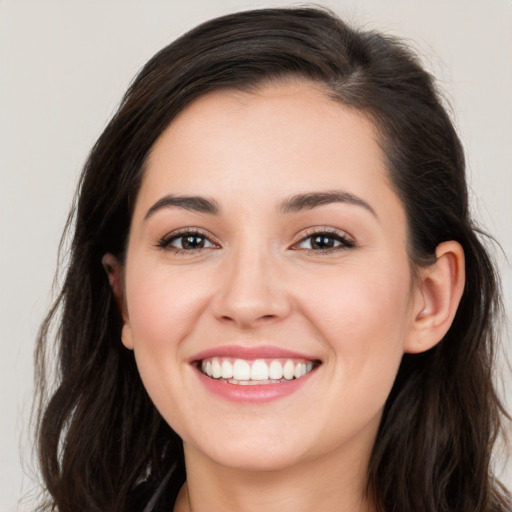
column 250, row 353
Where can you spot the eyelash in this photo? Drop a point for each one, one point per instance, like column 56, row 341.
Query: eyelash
column 343, row 241
column 335, row 236
column 167, row 240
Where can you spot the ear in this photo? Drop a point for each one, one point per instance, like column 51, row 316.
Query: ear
column 436, row 297
column 114, row 270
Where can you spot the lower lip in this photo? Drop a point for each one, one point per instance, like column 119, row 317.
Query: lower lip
column 253, row 393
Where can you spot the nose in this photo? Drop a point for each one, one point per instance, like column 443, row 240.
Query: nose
column 252, row 292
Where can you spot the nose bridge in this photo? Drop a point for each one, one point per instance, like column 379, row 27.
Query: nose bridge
column 251, row 291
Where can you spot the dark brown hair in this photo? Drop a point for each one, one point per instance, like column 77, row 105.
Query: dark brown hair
column 103, row 445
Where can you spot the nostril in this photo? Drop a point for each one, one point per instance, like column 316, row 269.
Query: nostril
column 263, row 317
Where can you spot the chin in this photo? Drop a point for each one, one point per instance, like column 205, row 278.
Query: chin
column 261, row 455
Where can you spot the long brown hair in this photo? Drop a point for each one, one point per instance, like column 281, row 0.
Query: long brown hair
column 103, row 445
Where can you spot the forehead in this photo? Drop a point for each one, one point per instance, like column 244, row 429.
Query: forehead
column 282, row 139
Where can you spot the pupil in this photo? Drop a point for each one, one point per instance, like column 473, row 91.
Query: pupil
column 323, row 242
column 192, row 242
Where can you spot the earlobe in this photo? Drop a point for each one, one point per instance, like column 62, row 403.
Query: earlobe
column 126, row 336
column 439, row 290
column 114, row 270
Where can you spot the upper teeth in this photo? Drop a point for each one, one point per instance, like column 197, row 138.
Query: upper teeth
column 256, row 370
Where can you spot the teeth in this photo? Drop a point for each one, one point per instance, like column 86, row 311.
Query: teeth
column 216, row 369
column 227, row 369
column 260, row 371
column 241, row 370
column 275, row 370
column 288, row 370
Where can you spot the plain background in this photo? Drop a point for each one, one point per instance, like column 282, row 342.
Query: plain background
column 64, row 66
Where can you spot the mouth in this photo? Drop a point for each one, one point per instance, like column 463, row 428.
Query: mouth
column 251, row 372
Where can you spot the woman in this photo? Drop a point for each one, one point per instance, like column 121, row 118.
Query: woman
column 276, row 297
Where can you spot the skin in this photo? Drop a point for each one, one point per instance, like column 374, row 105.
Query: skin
column 258, row 281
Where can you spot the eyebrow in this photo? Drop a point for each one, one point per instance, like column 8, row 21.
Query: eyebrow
column 311, row 200
column 193, row 203
column 296, row 203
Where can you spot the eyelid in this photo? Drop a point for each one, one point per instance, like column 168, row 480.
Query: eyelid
column 347, row 241
column 165, row 241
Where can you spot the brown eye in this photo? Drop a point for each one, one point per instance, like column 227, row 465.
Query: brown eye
column 324, row 241
column 188, row 241
column 191, row 241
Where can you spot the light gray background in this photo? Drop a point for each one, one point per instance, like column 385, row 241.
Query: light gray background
column 63, row 68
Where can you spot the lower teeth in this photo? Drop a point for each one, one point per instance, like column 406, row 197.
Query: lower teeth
column 253, row 382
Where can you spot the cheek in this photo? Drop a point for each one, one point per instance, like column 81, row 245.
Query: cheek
column 362, row 314
column 163, row 305
column 360, row 298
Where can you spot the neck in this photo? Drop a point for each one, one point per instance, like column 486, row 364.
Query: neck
column 337, row 484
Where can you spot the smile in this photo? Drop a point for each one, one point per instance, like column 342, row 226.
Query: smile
column 255, row 372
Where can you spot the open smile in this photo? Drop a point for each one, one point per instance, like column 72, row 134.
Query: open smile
column 248, row 372
column 253, row 374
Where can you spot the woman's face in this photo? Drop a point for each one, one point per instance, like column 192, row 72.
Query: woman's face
column 267, row 284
